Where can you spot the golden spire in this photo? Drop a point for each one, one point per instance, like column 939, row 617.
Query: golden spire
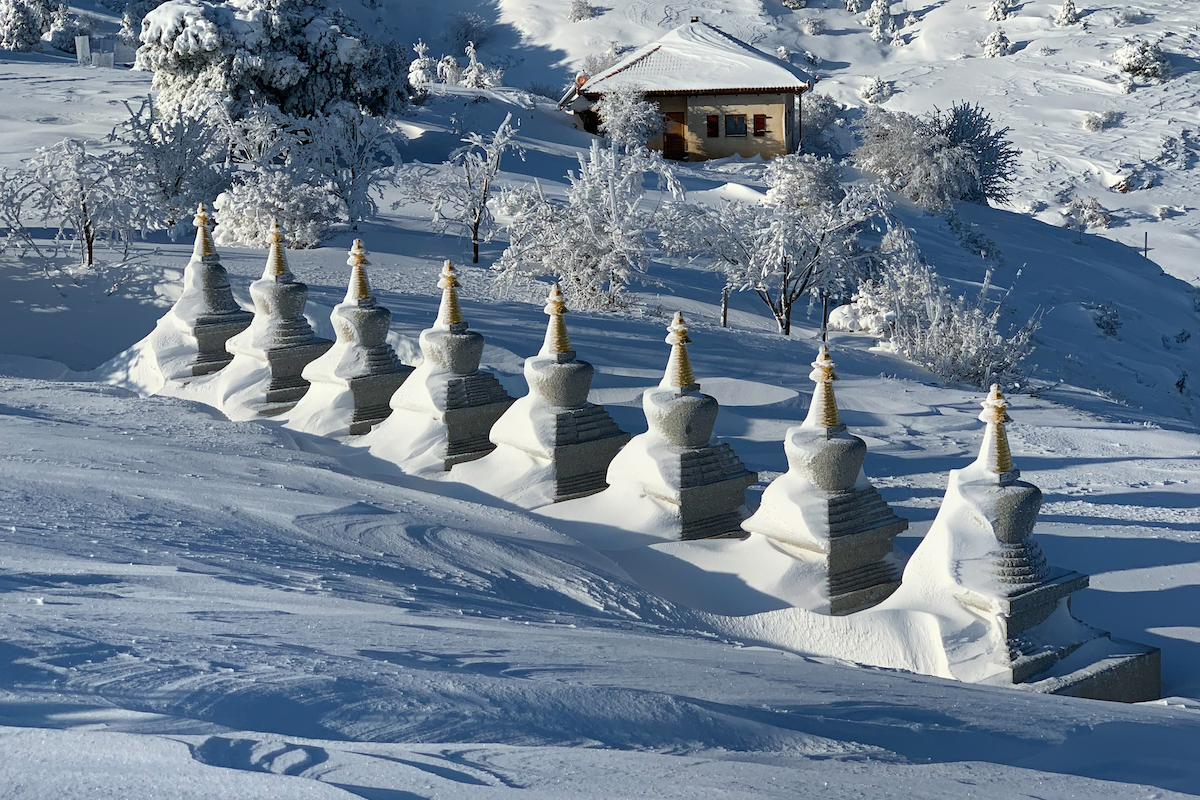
column 449, row 313
column 994, row 454
column 679, row 366
column 360, row 288
column 203, row 249
column 557, row 341
column 277, row 266
column 823, row 411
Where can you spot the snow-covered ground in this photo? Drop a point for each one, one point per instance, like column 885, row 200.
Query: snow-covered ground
column 238, row 609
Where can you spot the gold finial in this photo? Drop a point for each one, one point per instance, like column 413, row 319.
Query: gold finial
column 204, row 243
column 449, row 312
column 994, row 453
column 360, row 288
column 679, row 366
column 823, row 411
column 277, row 266
column 557, row 341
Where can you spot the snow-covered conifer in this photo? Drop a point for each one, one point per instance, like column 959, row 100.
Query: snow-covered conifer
column 1143, row 59
column 875, row 90
column 449, row 72
column 581, row 10
column 812, row 26
column 854, row 6
column 19, row 27
column 996, row 44
column 627, row 119
column 306, row 213
column 999, row 10
column 423, row 69
column 476, row 75
column 1067, row 15
column 877, row 12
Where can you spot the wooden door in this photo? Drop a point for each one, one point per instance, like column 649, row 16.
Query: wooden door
column 675, row 136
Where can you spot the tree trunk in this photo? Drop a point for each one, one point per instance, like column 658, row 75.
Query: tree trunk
column 725, row 307
column 474, row 251
column 824, row 316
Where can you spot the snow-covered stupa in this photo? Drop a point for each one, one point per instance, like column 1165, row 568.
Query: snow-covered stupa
column 269, row 356
column 677, row 463
column 980, row 557
column 551, row 444
column 353, row 382
column 824, row 510
column 444, row 411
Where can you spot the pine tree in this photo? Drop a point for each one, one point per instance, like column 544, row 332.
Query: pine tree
column 1067, row 15
column 998, row 10
column 997, row 44
column 19, row 27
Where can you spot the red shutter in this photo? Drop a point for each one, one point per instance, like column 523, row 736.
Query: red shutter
column 714, row 127
column 760, row 124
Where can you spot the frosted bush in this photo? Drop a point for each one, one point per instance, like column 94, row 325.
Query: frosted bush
column 466, row 26
column 306, row 213
column 804, row 180
column 783, row 54
column 1179, row 152
column 910, row 19
column 998, row 10
column 1067, row 15
column 1130, row 16
column 595, row 63
column 955, row 338
column 627, row 118
column 580, row 10
column 812, row 58
column 812, row 26
column 875, row 90
column 66, row 27
column 996, row 44
column 1106, row 317
column 476, row 75
column 19, row 30
column 1099, row 121
column 1142, row 59
column 795, row 4
column 817, row 113
column 854, row 6
column 423, row 69
column 449, row 72
column 1083, row 213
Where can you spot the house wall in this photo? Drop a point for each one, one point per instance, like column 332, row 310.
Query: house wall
column 778, row 108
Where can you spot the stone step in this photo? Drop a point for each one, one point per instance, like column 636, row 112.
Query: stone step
column 879, row 572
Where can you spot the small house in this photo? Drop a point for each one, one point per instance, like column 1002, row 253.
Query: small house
column 720, row 96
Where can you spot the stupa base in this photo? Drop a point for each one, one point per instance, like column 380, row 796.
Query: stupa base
column 372, row 395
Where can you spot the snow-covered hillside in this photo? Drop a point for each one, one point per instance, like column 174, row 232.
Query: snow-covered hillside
column 238, row 609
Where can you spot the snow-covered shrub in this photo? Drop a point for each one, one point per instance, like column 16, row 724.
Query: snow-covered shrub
column 66, row 27
column 993, row 156
column 176, row 161
column 88, row 196
column 627, row 119
column 595, row 63
column 1083, row 213
column 795, row 5
column 879, row 18
column 817, row 113
column 449, row 72
column 910, row 19
column 132, row 14
column 355, row 156
column 1130, row 16
column 1106, row 317
column 804, row 180
column 581, row 10
column 1179, row 152
column 955, row 338
column 812, row 58
column 876, row 90
column 459, row 190
column 1067, row 15
column 998, row 10
column 878, row 10
column 476, row 75
column 20, row 31
column 1099, row 121
column 300, row 56
column 466, row 26
column 854, row 6
column 422, row 70
column 306, row 213
column 595, row 243
column 971, row 239
column 783, row 54
column 812, row 26
column 996, row 44
column 1142, row 59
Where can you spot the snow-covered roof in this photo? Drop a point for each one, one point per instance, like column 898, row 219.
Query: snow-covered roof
column 696, row 57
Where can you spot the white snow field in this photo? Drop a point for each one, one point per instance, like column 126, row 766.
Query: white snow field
column 196, row 607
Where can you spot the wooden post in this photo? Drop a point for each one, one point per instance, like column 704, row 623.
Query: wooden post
column 824, row 316
column 1146, row 246
column 725, row 307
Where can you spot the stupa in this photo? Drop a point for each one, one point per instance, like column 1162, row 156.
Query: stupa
column 205, row 315
column 279, row 337
column 442, row 414
column 825, row 510
column 353, row 382
column 677, row 461
column 980, row 554
column 551, row 444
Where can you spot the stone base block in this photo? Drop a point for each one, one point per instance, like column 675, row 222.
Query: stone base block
column 211, row 334
column 468, row 428
column 372, row 395
column 286, row 363
column 712, row 492
column 1105, row 669
column 1031, row 607
column 586, row 440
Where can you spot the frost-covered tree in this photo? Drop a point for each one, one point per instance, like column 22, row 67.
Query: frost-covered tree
column 298, row 55
column 466, row 26
column 993, row 156
column 176, row 162
column 131, row 19
column 66, row 27
column 779, row 250
column 955, row 338
column 306, row 213
column 423, row 69
column 476, row 75
column 804, row 180
column 448, row 71
column 580, row 10
column 355, row 156
column 817, row 113
column 627, row 119
column 999, row 10
column 595, row 63
column 876, row 90
column 595, row 243
column 879, row 18
column 854, row 6
column 1083, row 213
column 1143, row 59
column 1067, row 15
column 460, row 190
column 996, row 44
column 19, row 27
